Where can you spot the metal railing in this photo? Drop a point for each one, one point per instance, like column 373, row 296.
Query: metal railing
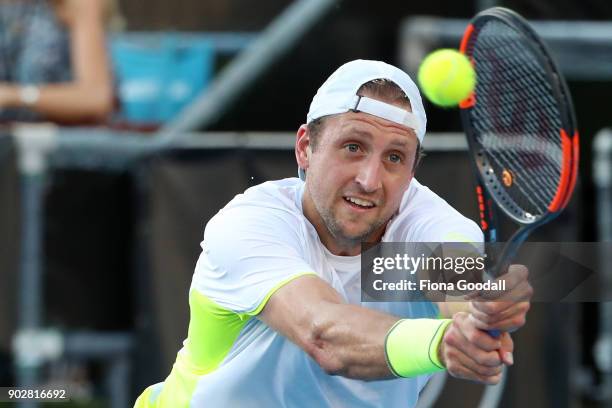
column 278, row 37
column 582, row 49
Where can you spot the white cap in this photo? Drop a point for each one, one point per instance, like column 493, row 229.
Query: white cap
column 339, row 94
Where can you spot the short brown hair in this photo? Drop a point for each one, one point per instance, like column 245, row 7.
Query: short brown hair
column 381, row 89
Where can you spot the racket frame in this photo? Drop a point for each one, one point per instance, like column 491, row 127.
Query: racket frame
column 489, row 188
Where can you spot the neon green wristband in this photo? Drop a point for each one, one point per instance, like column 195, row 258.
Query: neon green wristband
column 411, row 346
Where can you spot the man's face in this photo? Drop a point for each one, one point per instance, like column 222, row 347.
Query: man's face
column 357, row 174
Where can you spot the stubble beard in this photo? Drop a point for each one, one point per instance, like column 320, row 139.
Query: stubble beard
column 342, row 238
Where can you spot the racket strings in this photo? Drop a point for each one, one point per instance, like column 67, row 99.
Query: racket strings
column 525, row 187
column 516, row 117
column 505, row 158
column 530, row 155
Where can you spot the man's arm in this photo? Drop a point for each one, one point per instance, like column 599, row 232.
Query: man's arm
column 343, row 339
column 350, row 340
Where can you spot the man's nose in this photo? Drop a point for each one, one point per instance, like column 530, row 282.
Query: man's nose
column 369, row 176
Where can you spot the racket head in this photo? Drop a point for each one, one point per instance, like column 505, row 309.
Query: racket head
column 519, row 121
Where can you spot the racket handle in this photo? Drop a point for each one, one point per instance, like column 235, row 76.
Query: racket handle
column 494, row 333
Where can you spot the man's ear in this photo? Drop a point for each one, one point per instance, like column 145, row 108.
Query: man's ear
column 302, row 147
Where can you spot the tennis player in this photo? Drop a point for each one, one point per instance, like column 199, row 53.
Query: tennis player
column 276, row 316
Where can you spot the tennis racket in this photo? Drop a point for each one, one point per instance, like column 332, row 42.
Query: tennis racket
column 520, row 126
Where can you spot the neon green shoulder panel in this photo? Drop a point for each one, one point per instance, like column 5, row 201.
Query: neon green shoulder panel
column 456, row 237
column 214, row 329
column 212, row 332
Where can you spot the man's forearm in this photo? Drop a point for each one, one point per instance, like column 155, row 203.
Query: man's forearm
column 357, row 342
column 345, row 339
column 349, row 340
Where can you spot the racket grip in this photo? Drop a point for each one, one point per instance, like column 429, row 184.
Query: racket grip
column 494, row 333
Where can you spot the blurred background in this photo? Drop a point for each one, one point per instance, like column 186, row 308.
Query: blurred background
column 101, row 216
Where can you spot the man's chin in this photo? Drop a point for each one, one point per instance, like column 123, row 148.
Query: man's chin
column 356, row 236
column 353, row 231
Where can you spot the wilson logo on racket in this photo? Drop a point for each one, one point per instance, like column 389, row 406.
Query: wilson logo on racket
column 507, row 178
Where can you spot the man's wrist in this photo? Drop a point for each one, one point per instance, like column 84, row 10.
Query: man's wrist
column 440, row 348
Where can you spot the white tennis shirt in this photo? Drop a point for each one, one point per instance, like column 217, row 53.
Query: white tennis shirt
column 258, row 242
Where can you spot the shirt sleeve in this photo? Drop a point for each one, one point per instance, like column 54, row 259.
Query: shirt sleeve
column 429, row 218
column 247, row 254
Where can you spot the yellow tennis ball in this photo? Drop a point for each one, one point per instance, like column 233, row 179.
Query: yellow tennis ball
column 446, row 77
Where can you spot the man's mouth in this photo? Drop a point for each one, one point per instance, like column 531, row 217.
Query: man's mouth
column 359, row 202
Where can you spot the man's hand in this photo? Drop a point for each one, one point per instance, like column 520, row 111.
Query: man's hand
column 470, row 353
column 505, row 311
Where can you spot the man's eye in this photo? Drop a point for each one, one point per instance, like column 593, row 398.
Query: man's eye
column 395, row 158
column 352, row 147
